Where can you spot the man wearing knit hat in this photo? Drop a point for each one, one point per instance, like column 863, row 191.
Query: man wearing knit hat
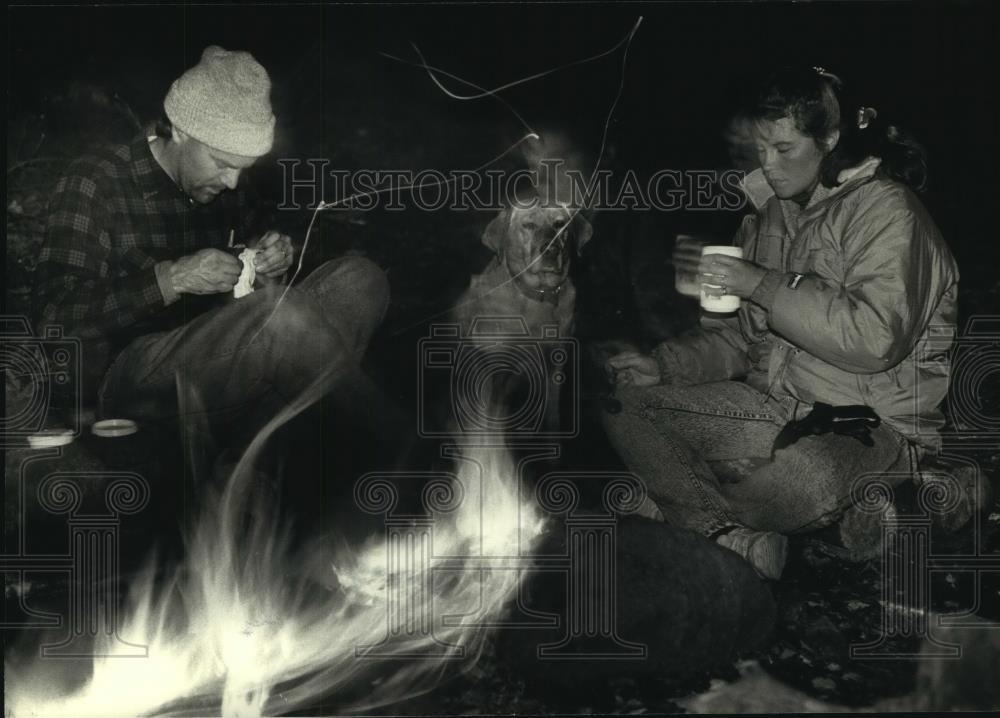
column 135, row 264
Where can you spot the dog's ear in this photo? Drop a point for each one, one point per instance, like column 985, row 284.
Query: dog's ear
column 584, row 231
column 495, row 235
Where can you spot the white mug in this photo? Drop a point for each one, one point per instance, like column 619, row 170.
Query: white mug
column 727, row 303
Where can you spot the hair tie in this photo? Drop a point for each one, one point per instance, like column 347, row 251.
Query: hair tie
column 865, row 116
column 827, row 75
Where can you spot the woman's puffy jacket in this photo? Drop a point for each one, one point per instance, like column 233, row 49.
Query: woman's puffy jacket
column 869, row 321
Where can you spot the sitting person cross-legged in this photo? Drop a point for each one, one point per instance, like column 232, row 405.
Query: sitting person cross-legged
column 136, row 265
column 848, row 300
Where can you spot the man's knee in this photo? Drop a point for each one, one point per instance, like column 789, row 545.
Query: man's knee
column 289, row 317
column 354, row 295
column 357, row 277
column 369, row 277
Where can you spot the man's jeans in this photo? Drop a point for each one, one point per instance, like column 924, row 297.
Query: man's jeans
column 242, row 362
column 681, row 440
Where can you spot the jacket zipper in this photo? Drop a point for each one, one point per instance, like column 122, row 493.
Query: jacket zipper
column 780, row 371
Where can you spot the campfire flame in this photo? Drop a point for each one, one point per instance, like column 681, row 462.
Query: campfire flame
column 236, row 632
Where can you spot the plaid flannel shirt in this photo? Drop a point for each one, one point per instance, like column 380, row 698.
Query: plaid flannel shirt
column 115, row 222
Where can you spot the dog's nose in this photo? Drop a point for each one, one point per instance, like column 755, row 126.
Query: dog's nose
column 553, row 246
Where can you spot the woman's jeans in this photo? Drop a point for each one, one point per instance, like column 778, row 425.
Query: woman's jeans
column 242, row 362
column 681, row 440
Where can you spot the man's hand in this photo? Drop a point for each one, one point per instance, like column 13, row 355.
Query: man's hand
column 208, row 271
column 633, row 369
column 734, row 275
column 275, row 255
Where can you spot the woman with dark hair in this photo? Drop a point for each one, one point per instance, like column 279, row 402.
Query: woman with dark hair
column 846, row 316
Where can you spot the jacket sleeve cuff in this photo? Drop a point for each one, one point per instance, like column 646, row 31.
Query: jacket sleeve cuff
column 672, row 370
column 763, row 295
column 163, row 280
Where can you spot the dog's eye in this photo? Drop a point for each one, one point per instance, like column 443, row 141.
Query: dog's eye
column 530, row 226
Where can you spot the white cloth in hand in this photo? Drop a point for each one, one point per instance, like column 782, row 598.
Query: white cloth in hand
column 244, row 285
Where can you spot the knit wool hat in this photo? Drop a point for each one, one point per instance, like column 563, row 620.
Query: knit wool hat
column 224, row 101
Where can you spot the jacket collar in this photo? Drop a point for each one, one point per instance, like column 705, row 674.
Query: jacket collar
column 759, row 192
column 147, row 173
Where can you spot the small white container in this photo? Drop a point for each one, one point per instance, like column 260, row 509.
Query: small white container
column 727, row 303
column 49, row 438
column 114, row 428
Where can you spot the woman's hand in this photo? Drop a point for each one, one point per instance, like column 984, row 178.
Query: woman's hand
column 730, row 274
column 686, row 256
column 633, row 369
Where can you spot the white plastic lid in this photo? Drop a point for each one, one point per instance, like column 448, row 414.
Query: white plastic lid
column 114, row 427
column 47, row 438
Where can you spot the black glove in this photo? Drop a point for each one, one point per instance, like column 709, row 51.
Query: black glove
column 857, row 421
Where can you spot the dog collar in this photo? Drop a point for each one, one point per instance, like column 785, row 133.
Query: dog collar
column 550, row 296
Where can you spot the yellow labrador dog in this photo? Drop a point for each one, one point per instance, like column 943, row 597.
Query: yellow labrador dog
column 528, row 279
column 529, row 274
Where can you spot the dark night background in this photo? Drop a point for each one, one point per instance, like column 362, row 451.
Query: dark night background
column 78, row 75
column 925, row 66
